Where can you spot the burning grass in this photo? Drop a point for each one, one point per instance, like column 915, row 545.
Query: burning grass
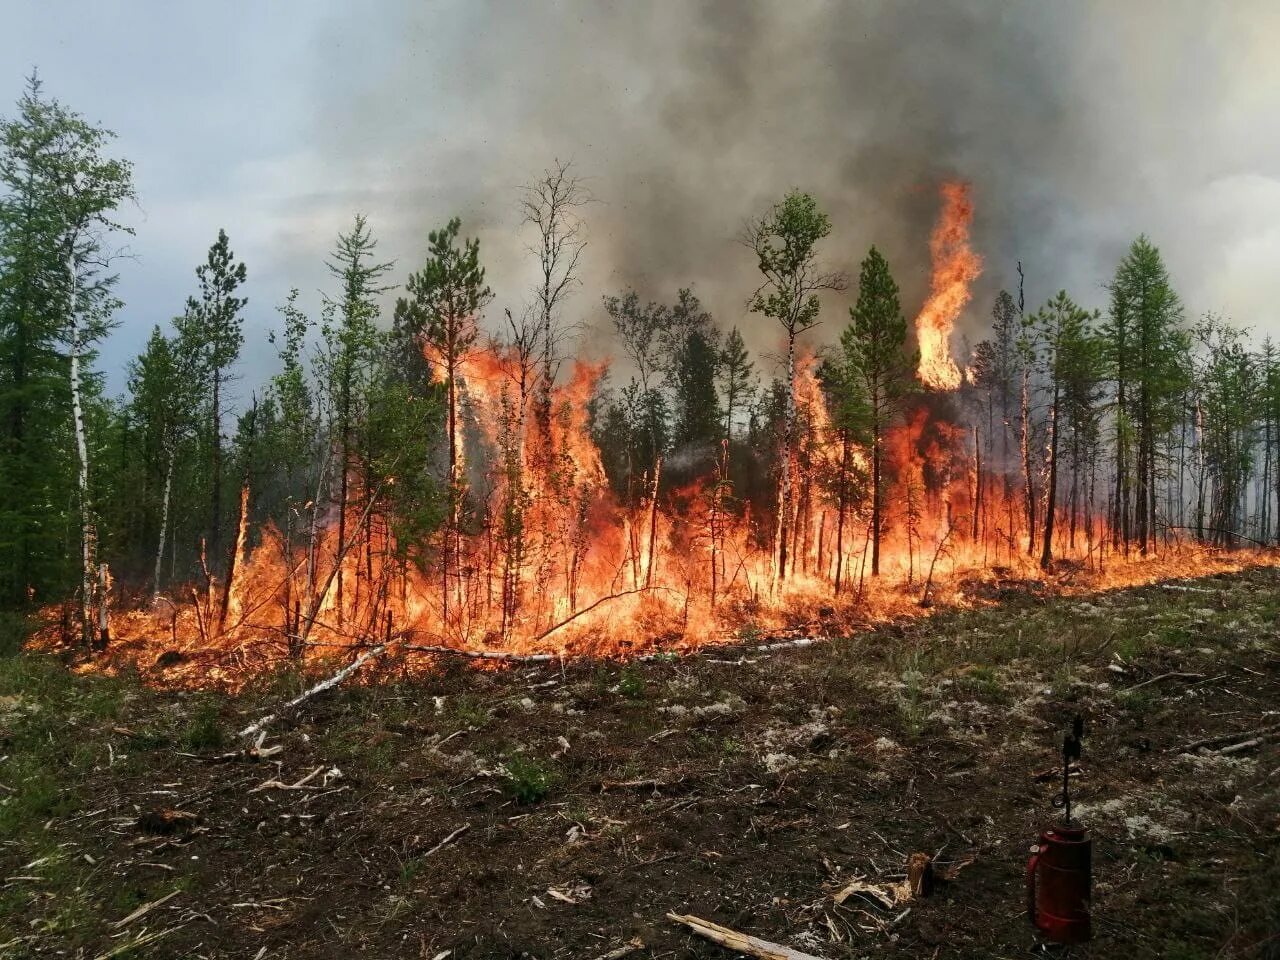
column 168, row 646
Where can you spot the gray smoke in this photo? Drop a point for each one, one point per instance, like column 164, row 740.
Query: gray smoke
column 1079, row 125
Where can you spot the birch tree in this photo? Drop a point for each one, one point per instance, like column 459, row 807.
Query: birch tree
column 62, row 194
column 784, row 241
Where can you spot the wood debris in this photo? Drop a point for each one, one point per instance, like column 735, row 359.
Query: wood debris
column 922, row 874
column 628, row 948
column 296, row 785
column 143, row 910
column 448, row 840
column 741, row 942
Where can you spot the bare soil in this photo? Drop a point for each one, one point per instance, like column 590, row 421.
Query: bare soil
column 560, row 811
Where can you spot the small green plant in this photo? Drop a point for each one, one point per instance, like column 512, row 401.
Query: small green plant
column 912, row 709
column 1174, row 637
column 528, row 781
column 469, row 711
column 631, row 683
column 204, row 732
column 1065, row 682
column 983, row 683
column 1137, row 701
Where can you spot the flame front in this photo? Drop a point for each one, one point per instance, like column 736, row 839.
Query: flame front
column 546, row 559
column 955, row 266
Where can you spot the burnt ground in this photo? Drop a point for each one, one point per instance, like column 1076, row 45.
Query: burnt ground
column 577, row 806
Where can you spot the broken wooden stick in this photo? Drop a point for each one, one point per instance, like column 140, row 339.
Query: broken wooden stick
column 1225, row 738
column 1246, row 744
column 628, row 948
column 280, row 785
column 447, row 840
column 481, row 654
column 1172, row 675
column 741, row 942
column 320, row 687
column 143, row 910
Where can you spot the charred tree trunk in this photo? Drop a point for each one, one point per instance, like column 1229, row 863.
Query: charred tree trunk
column 784, row 465
column 1046, row 553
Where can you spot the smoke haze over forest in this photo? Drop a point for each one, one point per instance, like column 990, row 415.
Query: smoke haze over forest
column 1079, row 126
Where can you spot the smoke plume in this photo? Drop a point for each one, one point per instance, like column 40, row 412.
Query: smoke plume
column 1078, row 125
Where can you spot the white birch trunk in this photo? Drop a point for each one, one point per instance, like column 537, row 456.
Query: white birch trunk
column 87, row 534
column 164, row 519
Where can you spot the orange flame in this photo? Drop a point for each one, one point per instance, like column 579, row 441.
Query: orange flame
column 955, row 266
column 548, row 561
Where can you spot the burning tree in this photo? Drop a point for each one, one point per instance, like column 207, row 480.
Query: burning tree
column 785, row 241
column 438, row 488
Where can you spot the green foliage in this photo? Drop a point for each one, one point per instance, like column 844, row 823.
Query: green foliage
column 631, row 683
column 14, row 629
column 697, row 420
column 58, row 194
column 528, row 780
column 204, row 731
column 736, row 379
column 785, row 243
column 1145, row 349
column 872, row 374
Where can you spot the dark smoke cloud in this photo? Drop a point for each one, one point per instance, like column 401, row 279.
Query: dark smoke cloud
column 1079, row 125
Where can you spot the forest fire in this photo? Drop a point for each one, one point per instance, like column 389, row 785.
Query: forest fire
column 955, row 266
column 482, row 501
column 540, row 556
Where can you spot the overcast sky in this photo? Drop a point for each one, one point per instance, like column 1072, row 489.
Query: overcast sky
column 1079, row 125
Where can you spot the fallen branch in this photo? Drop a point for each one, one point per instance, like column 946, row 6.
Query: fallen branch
column 787, row 644
column 1172, row 675
column 628, row 948
column 741, row 942
column 279, row 785
column 320, row 687
column 1246, row 744
column 648, row 784
column 142, row 940
column 591, row 606
column 482, row 654
column 1225, row 738
column 143, row 910
column 447, row 840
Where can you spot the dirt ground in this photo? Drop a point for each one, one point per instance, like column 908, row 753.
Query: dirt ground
column 563, row 811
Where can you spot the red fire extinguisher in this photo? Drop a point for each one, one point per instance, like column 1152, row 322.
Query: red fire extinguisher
column 1059, row 873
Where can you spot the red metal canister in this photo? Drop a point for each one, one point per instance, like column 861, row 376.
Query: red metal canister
column 1059, row 884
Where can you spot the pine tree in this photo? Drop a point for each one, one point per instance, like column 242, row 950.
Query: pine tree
column 443, row 307
column 697, row 423
column 161, row 390
column 1145, row 347
column 353, row 349
column 211, row 330
column 1065, row 352
column 874, row 347
column 736, row 379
